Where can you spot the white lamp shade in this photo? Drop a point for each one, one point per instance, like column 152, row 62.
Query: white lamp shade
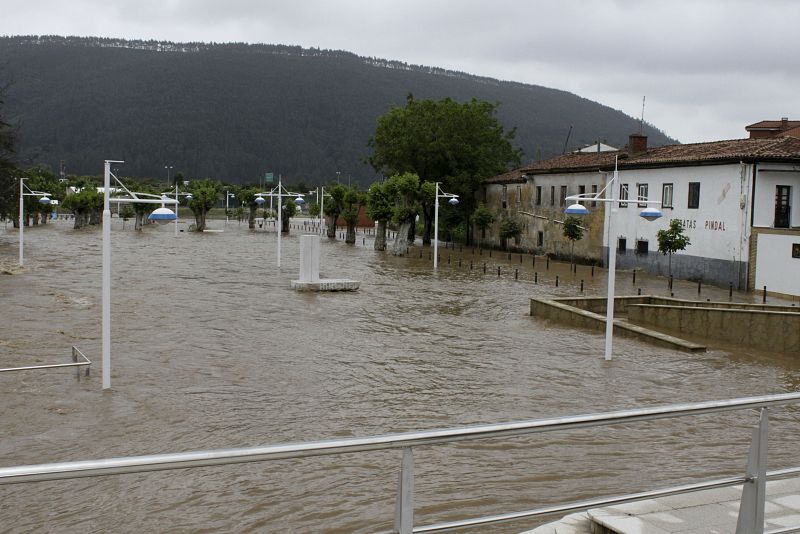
column 299, row 200
column 44, row 200
column 260, row 200
column 189, row 196
column 576, row 209
column 453, row 201
column 162, row 215
column 651, row 214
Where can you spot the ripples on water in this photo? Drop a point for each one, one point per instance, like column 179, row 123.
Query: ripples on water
column 211, row 349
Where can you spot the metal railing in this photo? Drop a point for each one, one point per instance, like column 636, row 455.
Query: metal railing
column 79, row 360
column 751, row 509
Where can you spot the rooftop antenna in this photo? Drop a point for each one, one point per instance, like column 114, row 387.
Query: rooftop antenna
column 641, row 121
column 567, row 140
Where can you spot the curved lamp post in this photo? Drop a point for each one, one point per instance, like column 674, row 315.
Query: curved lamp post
column 453, row 201
column 43, row 199
column 162, row 217
column 649, row 213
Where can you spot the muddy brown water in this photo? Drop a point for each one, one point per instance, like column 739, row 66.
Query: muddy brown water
column 212, row 349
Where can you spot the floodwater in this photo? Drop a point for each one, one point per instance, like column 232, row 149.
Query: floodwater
column 212, row 349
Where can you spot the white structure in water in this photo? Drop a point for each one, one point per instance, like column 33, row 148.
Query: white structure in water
column 309, row 270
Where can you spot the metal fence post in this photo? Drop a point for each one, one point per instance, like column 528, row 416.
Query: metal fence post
column 754, row 491
column 75, row 360
column 404, row 506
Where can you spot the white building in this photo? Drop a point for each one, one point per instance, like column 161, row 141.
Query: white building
column 734, row 197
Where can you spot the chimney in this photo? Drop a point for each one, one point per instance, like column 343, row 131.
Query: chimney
column 637, row 143
column 784, row 123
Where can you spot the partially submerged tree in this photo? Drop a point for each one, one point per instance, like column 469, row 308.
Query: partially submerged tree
column 288, row 210
column 334, row 206
column 672, row 240
column 205, row 194
column 81, row 205
column 353, row 200
column 444, row 141
column 483, row 218
column 403, row 189
column 379, row 209
column 509, row 229
column 573, row 231
column 247, row 197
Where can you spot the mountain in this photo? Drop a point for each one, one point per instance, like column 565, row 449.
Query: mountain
column 234, row 111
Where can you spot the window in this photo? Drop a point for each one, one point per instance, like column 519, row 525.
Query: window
column 694, row 195
column 594, row 193
column 782, row 207
column 623, row 195
column 581, row 189
column 642, row 194
column 519, row 194
column 538, row 195
column 504, row 198
column 622, row 245
column 552, row 195
column 641, row 246
column 562, row 199
column 539, row 239
column 666, row 195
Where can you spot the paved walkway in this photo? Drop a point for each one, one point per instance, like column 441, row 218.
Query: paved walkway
column 703, row 512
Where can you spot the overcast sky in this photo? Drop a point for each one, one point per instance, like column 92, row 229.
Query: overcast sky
column 707, row 68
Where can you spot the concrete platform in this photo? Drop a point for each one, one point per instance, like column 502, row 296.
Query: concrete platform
column 326, row 284
column 703, row 512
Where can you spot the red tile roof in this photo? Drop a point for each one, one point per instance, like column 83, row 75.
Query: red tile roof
column 771, row 125
column 748, row 150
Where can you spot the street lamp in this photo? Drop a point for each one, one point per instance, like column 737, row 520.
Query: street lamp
column 169, row 168
column 280, row 192
column 453, row 201
column 43, row 199
column 133, row 199
column 649, row 213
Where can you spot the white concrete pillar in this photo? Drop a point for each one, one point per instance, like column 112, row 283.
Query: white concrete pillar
column 309, row 258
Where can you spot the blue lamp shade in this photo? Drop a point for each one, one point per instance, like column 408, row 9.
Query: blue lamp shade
column 44, row 200
column 453, row 201
column 189, row 196
column 260, row 200
column 299, row 200
column 576, row 209
column 651, row 214
column 162, row 215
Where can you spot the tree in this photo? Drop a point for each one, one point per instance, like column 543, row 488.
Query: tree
column 509, row 228
column 81, row 204
column 402, row 190
column 573, row 231
column 288, row 210
column 672, row 240
column 482, row 218
column 205, row 194
column 334, row 206
column 459, row 145
column 379, row 209
column 353, row 200
column 247, row 197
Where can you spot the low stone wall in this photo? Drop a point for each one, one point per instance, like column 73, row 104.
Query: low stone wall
column 569, row 311
column 775, row 328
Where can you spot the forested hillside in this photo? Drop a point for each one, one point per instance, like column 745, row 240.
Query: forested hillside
column 234, row 111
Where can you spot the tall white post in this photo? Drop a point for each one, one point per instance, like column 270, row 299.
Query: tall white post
column 612, row 267
column 280, row 216
column 177, row 203
column 436, row 230
column 226, row 205
column 322, row 208
column 21, row 219
column 106, row 298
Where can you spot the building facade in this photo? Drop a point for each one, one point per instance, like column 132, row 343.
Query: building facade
column 738, row 200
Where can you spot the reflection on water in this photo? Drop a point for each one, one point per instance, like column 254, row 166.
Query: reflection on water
column 211, row 349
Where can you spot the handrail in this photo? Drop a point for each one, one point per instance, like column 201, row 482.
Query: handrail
column 407, row 440
column 160, row 462
column 76, row 354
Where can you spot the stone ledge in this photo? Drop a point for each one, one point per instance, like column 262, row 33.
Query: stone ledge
column 326, row 284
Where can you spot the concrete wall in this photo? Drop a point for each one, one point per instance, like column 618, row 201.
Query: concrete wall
column 708, row 270
column 765, row 330
column 775, row 267
column 767, row 177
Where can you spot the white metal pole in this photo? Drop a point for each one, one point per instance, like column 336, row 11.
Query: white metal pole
column 280, row 216
column 106, row 330
column 612, row 268
column 21, row 220
column 436, row 230
column 177, row 203
column 226, row 206
column 322, row 209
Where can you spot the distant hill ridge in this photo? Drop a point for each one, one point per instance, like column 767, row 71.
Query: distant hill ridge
column 233, row 111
